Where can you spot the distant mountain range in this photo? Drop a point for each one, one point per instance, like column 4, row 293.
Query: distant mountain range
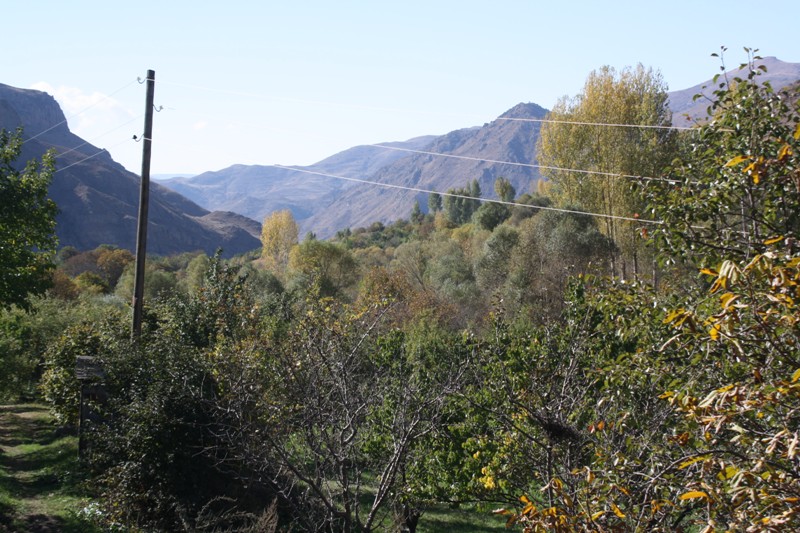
column 325, row 205
column 98, row 199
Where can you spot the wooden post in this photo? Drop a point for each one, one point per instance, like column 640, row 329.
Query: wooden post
column 144, row 201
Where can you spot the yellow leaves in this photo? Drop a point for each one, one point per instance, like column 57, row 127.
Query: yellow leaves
column 679, row 317
column 714, row 331
column 755, row 169
column 796, row 376
column 797, row 133
column 692, row 461
column 694, row 495
column 727, row 473
column 529, row 506
column 737, row 160
column 487, row 479
column 774, row 240
column 727, row 299
column 728, row 272
column 617, row 510
column 784, row 152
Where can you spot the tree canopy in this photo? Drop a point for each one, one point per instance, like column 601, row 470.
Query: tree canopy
column 27, row 223
column 600, row 142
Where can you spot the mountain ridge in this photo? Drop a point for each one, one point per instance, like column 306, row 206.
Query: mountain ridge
column 335, row 207
column 98, row 199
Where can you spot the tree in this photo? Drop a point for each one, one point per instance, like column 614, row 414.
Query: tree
column 434, row 202
column 505, row 191
column 27, row 224
column 331, row 266
column 460, row 204
column 416, row 213
column 279, row 234
column 704, row 378
column 608, row 157
column 737, row 186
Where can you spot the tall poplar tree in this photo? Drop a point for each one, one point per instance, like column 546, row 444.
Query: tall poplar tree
column 612, row 131
column 279, row 234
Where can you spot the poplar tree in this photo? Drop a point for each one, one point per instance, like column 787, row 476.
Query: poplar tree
column 602, row 160
column 279, row 234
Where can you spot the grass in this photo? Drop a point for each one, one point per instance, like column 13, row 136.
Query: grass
column 40, row 484
column 466, row 519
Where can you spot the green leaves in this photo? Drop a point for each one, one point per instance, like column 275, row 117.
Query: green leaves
column 27, row 224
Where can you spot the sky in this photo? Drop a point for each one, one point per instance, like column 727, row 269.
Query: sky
column 293, row 82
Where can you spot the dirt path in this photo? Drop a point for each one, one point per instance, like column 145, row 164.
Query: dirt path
column 36, row 460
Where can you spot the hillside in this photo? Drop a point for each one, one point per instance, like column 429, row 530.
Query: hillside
column 501, row 140
column 257, row 190
column 98, row 199
column 325, row 205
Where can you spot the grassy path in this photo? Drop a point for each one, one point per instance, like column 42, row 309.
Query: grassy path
column 40, row 489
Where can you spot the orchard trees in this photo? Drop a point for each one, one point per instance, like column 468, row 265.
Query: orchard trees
column 739, row 185
column 705, row 378
column 27, row 224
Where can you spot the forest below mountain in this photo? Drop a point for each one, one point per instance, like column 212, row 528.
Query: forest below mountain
column 614, row 351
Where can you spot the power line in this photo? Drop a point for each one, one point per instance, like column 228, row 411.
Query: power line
column 527, row 165
column 398, row 110
column 91, row 156
column 105, row 97
column 578, row 123
column 454, row 195
column 93, row 138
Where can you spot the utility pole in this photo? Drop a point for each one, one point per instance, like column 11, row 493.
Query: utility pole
column 144, row 201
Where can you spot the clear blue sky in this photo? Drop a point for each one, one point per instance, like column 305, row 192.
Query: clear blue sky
column 294, row 82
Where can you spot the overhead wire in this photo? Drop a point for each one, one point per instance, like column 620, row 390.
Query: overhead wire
column 399, row 110
column 456, row 195
column 101, row 151
column 105, row 97
column 607, row 124
column 93, row 139
column 463, row 157
column 409, row 150
column 528, row 165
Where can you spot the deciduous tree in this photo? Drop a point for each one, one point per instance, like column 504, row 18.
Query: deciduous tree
column 279, row 234
column 27, row 224
column 598, row 144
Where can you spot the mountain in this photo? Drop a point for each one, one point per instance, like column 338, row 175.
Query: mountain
column 325, row 205
column 686, row 110
column 256, row 190
column 98, row 199
column 471, row 154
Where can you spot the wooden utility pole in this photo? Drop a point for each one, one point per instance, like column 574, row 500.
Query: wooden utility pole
column 144, row 201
